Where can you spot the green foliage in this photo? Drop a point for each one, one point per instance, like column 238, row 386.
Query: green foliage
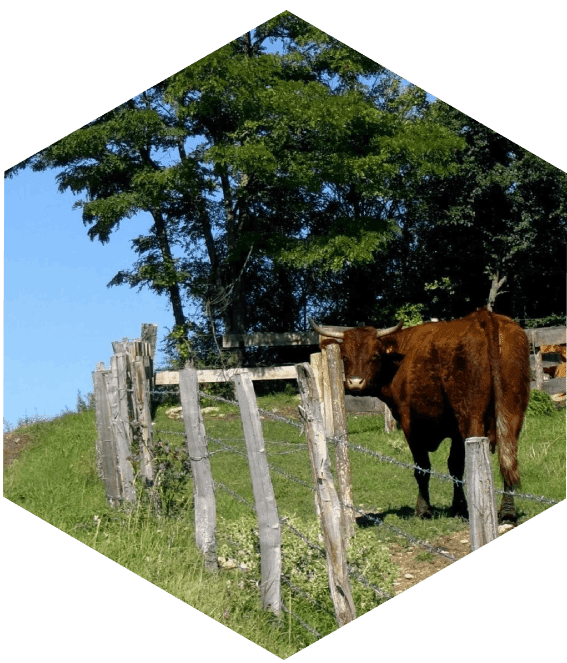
column 85, row 402
column 548, row 321
column 409, row 314
column 173, row 476
column 348, row 244
column 305, row 567
column 540, row 404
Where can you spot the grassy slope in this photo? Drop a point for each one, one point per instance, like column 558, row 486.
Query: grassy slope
column 56, row 480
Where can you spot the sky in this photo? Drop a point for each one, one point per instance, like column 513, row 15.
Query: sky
column 59, row 316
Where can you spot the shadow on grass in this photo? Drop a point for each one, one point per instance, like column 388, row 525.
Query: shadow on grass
column 404, row 513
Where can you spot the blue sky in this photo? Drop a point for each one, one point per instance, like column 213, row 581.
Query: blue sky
column 59, row 316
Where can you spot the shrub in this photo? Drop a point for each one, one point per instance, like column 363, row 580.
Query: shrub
column 540, row 404
column 305, row 566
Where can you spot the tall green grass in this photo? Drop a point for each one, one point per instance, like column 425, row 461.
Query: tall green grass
column 55, row 478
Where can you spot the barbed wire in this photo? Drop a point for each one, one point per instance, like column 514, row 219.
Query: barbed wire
column 321, row 551
column 526, row 496
column 377, row 590
column 305, row 595
column 423, row 544
column 238, row 451
column 301, row 621
column 169, row 432
column 382, row 457
column 314, row 546
column 388, row 459
column 395, row 461
column 235, row 495
column 400, row 532
column 237, row 546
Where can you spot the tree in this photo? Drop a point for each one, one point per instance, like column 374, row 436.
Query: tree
column 502, row 212
column 262, row 173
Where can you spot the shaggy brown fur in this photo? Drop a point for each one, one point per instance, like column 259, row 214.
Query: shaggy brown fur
column 464, row 378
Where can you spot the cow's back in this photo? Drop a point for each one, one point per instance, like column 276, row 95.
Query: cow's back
column 445, row 374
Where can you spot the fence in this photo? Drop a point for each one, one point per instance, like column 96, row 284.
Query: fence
column 123, row 415
column 549, row 375
column 123, row 401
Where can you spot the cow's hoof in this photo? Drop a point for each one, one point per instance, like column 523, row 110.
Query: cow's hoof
column 507, row 517
column 423, row 514
column 459, row 512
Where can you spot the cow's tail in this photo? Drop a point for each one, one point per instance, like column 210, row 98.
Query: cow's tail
column 505, row 436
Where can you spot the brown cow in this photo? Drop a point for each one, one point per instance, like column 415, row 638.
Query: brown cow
column 465, row 378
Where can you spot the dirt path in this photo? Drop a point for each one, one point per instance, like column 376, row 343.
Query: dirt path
column 14, row 442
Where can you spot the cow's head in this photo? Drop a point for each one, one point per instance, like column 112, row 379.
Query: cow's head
column 364, row 351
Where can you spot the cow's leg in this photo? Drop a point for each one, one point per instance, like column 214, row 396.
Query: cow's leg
column 423, row 507
column 456, row 464
column 507, row 512
column 508, row 455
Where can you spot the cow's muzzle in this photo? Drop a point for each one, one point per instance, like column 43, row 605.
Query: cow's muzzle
column 354, row 383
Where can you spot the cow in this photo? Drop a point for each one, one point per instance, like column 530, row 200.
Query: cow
column 463, row 378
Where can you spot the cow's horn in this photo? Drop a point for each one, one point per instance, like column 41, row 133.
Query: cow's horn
column 326, row 332
column 390, row 330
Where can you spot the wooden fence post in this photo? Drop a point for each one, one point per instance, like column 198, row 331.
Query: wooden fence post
column 389, row 421
column 107, row 463
column 325, row 380
column 148, row 335
column 117, row 390
column 203, row 486
column 480, row 493
column 316, row 362
column 340, row 432
column 142, row 371
column 329, row 505
column 264, row 498
column 538, row 369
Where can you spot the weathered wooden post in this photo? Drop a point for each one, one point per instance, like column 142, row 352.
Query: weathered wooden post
column 340, row 433
column 203, row 486
column 389, row 421
column 264, row 498
column 329, row 505
column 117, row 384
column 149, row 335
column 107, row 462
column 327, row 409
column 538, row 369
column 142, row 373
column 316, row 362
column 480, row 493
column 141, row 366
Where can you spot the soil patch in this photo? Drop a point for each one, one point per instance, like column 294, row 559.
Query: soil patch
column 415, row 563
column 14, row 442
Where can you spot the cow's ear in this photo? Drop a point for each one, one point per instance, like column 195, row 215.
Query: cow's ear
column 390, row 346
column 391, row 351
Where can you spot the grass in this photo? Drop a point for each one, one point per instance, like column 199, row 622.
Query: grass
column 55, row 478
